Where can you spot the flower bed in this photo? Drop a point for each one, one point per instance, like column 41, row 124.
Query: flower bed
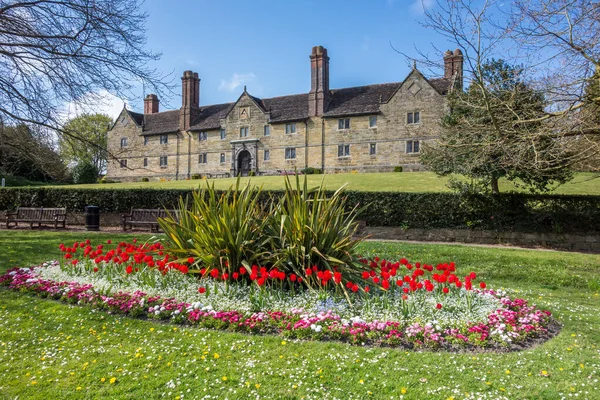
column 395, row 303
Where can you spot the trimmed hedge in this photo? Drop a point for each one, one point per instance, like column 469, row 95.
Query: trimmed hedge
column 517, row 212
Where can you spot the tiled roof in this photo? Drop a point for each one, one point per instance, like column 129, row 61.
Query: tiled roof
column 162, row 122
column 442, row 85
column 210, row 117
column 360, row 100
column 346, row 101
column 287, row 108
column 137, row 117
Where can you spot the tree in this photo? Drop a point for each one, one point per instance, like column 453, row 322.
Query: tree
column 93, row 128
column 85, row 172
column 557, row 46
column 70, row 51
column 483, row 137
column 29, row 153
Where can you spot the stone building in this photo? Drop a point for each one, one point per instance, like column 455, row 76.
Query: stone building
column 367, row 129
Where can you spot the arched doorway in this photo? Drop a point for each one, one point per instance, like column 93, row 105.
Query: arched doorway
column 244, row 163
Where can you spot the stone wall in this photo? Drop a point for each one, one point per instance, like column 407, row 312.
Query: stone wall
column 315, row 140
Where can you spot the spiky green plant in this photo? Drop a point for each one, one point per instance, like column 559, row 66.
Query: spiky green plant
column 307, row 227
column 220, row 231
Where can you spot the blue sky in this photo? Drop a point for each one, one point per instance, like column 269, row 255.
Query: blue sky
column 265, row 44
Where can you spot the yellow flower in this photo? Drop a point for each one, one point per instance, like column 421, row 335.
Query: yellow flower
column 257, row 385
column 113, row 380
column 78, row 388
column 403, row 390
column 216, row 355
column 102, row 380
column 224, row 378
column 33, row 382
column 283, row 343
column 507, row 372
column 362, row 382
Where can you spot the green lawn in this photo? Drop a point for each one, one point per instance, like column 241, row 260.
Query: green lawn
column 402, row 182
column 52, row 350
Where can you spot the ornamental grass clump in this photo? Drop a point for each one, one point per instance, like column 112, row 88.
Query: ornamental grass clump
column 220, row 232
column 308, row 228
column 303, row 239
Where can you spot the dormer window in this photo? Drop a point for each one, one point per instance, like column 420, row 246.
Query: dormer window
column 164, row 139
column 202, row 136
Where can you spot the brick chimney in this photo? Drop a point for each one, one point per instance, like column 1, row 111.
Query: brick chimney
column 190, row 99
column 453, row 66
column 319, row 95
column 151, row 104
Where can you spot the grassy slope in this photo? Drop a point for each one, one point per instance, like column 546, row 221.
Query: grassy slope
column 404, row 182
column 62, row 348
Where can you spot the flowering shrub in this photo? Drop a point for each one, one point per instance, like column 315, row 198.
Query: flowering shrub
column 397, row 303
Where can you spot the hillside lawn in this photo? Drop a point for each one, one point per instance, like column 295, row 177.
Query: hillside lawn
column 51, row 350
column 583, row 183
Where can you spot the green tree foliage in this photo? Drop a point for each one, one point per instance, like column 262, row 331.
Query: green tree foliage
column 28, row 153
column 494, row 130
column 86, row 140
column 85, row 172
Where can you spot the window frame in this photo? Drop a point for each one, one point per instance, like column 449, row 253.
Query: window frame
column 372, row 149
column 290, row 128
column 413, row 118
column 222, row 159
column 164, row 164
column 267, row 155
column 223, row 134
column 202, row 136
column 343, row 124
column 146, row 140
column 145, row 162
column 245, row 131
column 372, row 121
column 411, row 144
column 343, row 150
column 267, row 130
column 203, row 158
column 289, row 152
column 164, row 139
column 123, row 142
column 123, row 163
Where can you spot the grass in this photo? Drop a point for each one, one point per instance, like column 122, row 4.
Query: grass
column 583, row 183
column 52, row 350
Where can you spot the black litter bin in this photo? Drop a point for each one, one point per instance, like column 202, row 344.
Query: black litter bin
column 92, row 218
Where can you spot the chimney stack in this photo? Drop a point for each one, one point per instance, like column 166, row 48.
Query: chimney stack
column 453, row 66
column 151, row 104
column 190, row 99
column 319, row 95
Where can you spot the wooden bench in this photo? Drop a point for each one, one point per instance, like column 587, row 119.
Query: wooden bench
column 145, row 217
column 39, row 216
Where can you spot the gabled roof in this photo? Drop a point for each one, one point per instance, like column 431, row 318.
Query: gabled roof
column 210, row 117
column 136, row 117
column 358, row 100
